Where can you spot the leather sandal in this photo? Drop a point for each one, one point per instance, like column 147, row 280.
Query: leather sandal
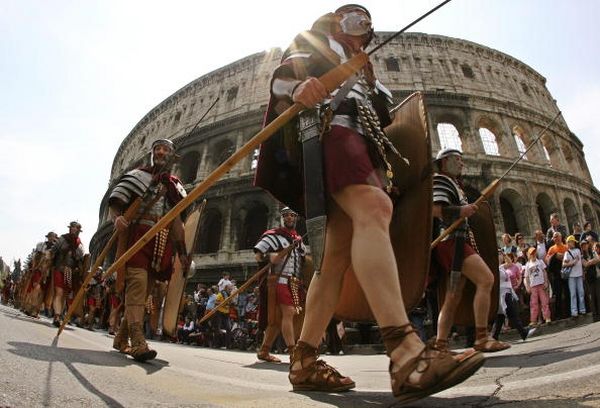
column 486, row 344
column 439, row 369
column 315, row 375
column 264, row 355
column 442, row 346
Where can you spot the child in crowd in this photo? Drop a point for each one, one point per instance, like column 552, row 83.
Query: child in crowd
column 573, row 259
column 536, row 284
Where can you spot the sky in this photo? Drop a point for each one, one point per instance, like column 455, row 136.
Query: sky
column 75, row 78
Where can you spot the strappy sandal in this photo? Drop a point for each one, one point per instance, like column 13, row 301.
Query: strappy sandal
column 264, row 355
column 315, row 375
column 442, row 346
column 439, row 370
column 486, row 344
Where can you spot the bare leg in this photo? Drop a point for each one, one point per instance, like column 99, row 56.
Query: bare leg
column 374, row 262
column 287, row 324
column 446, row 316
column 324, row 289
column 477, row 271
column 58, row 301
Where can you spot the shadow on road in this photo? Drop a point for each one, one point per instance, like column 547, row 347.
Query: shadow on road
column 261, row 365
column 537, row 358
column 378, row 399
column 70, row 356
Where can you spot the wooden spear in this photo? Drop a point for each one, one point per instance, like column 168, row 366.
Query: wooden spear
column 331, row 80
column 129, row 214
column 254, row 277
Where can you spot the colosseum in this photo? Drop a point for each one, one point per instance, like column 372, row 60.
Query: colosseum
column 481, row 100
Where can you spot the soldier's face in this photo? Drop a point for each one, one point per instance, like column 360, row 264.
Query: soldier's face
column 161, row 154
column 454, row 165
column 289, row 220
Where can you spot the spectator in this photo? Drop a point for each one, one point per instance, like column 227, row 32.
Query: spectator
column 560, row 288
column 592, row 273
column 198, row 292
column 577, row 231
column 183, row 334
column 572, row 259
column 225, row 280
column 522, row 248
column 211, row 298
column 508, row 246
column 540, row 245
column 587, row 232
column 536, row 283
column 509, row 306
column 223, row 322
column 555, row 226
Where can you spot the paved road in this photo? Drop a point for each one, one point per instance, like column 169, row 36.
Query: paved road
column 558, row 368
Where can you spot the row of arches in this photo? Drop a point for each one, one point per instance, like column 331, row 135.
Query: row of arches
column 495, row 140
column 519, row 216
column 214, row 155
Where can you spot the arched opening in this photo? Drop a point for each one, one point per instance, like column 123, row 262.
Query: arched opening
column 519, row 136
column 253, row 226
column 544, row 207
column 208, row 240
column 222, row 151
column 513, row 213
column 587, row 214
column 571, row 212
column 488, row 138
column 188, row 167
column 449, row 136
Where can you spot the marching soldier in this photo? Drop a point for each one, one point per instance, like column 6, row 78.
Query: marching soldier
column 284, row 286
column 357, row 179
column 161, row 191
column 68, row 255
column 40, row 268
column 456, row 256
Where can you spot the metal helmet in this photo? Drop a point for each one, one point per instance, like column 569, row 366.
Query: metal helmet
column 447, row 152
column 355, row 20
column 160, row 142
column 75, row 224
column 51, row 234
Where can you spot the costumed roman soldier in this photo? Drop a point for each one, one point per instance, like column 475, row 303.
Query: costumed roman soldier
column 456, row 257
column 160, row 191
column 68, row 255
column 114, row 304
column 332, row 165
column 93, row 296
column 40, row 268
column 282, row 294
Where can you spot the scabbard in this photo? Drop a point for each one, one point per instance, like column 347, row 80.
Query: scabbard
column 457, row 262
column 314, row 185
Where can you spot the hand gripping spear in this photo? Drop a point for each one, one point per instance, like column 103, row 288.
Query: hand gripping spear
column 129, row 214
column 331, row 80
column 489, row 190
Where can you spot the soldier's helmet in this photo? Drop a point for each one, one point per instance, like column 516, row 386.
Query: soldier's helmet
column 447, row 152
column 75, row 224
column 161, row 142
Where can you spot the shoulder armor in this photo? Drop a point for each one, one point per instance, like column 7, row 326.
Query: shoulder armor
column 133, row 183
column 444, row 190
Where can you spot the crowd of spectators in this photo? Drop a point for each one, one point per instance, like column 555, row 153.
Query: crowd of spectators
column 555, row 277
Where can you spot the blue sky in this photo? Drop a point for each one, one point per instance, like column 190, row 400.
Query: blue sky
column 75, row 77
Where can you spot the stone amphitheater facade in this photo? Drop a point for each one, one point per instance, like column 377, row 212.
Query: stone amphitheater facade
column 486, row 102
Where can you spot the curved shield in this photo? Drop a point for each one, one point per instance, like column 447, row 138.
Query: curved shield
column 484, row 231
column 178, row 279
column 410, row 229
